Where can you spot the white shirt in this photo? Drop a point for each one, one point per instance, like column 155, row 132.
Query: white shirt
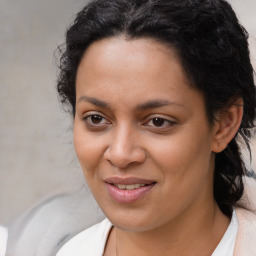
column 91, row 242
column 3, row 240
column 227, row 243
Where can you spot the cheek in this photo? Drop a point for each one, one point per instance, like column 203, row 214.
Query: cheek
column 183, row 155
column 181, row 149
column 185, row 164
column 88, row 149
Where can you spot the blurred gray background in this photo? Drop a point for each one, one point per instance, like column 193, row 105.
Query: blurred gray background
column 36, row 152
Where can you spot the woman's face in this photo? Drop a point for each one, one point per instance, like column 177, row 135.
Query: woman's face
column 141, row 134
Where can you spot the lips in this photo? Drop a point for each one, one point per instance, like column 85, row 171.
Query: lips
column 128, row 181
column 128, row 190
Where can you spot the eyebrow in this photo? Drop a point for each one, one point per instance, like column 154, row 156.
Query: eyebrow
column 94, row 101
column 157, row 103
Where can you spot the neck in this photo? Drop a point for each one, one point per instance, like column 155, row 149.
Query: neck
column 188, row 234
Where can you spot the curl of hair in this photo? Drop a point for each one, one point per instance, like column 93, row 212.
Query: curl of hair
column 212, row 47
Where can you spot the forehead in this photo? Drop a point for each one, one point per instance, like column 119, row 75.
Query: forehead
column 132, row 70
column 144, row 53
column 113, row 46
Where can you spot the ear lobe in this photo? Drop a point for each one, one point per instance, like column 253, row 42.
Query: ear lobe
column 227, row 125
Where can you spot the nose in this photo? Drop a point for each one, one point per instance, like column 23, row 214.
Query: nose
column 124, row 149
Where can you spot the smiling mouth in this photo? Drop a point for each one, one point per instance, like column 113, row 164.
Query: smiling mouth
column 128, row 190
column 130, row 186
column 133, row 181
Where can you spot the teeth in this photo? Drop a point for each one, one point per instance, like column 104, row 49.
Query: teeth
column 121, row 186
column 129, row 187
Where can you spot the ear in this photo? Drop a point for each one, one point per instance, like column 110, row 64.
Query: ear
column 227, row 125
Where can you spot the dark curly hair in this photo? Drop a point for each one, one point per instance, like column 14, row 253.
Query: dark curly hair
column 213, row 50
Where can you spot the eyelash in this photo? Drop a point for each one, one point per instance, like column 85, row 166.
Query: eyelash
column 89, row 122
column 166, row 123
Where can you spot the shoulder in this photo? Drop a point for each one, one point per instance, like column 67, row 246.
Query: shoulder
column 88, row 242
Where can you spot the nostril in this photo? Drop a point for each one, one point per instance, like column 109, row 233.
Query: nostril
column 123, row 155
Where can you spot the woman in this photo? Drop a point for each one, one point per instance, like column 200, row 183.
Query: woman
column 163, row 98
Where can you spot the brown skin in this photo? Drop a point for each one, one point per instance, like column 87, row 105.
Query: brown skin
column 179, row 215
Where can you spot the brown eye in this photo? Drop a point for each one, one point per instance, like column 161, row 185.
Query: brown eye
column 96, row 119
column 158, row 122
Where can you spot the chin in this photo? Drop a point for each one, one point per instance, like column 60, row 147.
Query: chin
column 131, row 222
